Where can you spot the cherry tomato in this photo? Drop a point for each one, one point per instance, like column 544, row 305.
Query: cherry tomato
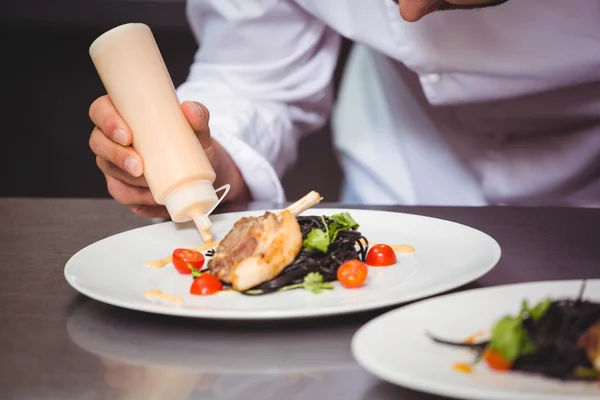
column 495, row 361
column 381, row 255
column 353, row 273
column 206, row 284
column 182, row 258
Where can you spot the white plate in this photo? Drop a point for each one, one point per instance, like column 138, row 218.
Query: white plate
column 394, row 346
column 447, row 256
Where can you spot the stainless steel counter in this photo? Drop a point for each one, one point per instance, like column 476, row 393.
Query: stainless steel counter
column 57, row 344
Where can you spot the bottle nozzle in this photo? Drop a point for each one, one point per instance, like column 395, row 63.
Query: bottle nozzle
column 203, row 224
column 195, row 201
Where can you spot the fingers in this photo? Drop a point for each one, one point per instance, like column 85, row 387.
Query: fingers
column 127, row 194
column 125, row 158
column 198, row 117
column 111, row 138
column 138, row 199
column 106, row 117
column 150, row 211
column 110, row 169
column 123, row 167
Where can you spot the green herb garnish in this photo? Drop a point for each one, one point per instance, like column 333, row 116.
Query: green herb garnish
column 312, row 282
column 195, row 272
column 510, row 339
column 509, row 336
column 319, row 239
column 540, row 309
column 345, row 221
column 587, row 373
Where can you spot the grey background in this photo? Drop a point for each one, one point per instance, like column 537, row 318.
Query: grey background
column 49, row 82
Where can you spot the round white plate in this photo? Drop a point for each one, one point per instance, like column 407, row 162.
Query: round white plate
column 394, row 346
column 447, row 256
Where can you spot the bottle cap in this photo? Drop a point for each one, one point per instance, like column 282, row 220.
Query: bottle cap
column 195, row 201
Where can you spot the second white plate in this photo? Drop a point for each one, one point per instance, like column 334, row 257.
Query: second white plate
column 395, row 346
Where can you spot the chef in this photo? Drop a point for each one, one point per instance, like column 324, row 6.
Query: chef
column 458, row 102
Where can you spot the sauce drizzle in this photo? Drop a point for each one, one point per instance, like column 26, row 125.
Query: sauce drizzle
column 462, row 367
column 402, row 248
column 156, row 294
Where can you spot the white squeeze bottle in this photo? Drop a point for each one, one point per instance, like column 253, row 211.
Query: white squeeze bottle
column 137, row 81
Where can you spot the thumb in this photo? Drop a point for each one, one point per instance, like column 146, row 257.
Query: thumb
column 198, row 115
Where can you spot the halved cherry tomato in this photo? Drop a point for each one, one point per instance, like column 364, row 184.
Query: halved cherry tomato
column 381, row 255
column 353, row 273
column 206, row 284
column 183, row 258
column 495, row 361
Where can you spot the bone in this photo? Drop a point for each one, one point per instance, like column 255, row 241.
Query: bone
column 305, row 203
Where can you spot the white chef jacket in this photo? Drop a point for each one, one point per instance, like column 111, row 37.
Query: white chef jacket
column 491, row 106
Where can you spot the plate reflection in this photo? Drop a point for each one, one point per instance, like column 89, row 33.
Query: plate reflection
column 144, row 356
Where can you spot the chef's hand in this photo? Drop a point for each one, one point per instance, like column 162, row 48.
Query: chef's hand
column 123, row 167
